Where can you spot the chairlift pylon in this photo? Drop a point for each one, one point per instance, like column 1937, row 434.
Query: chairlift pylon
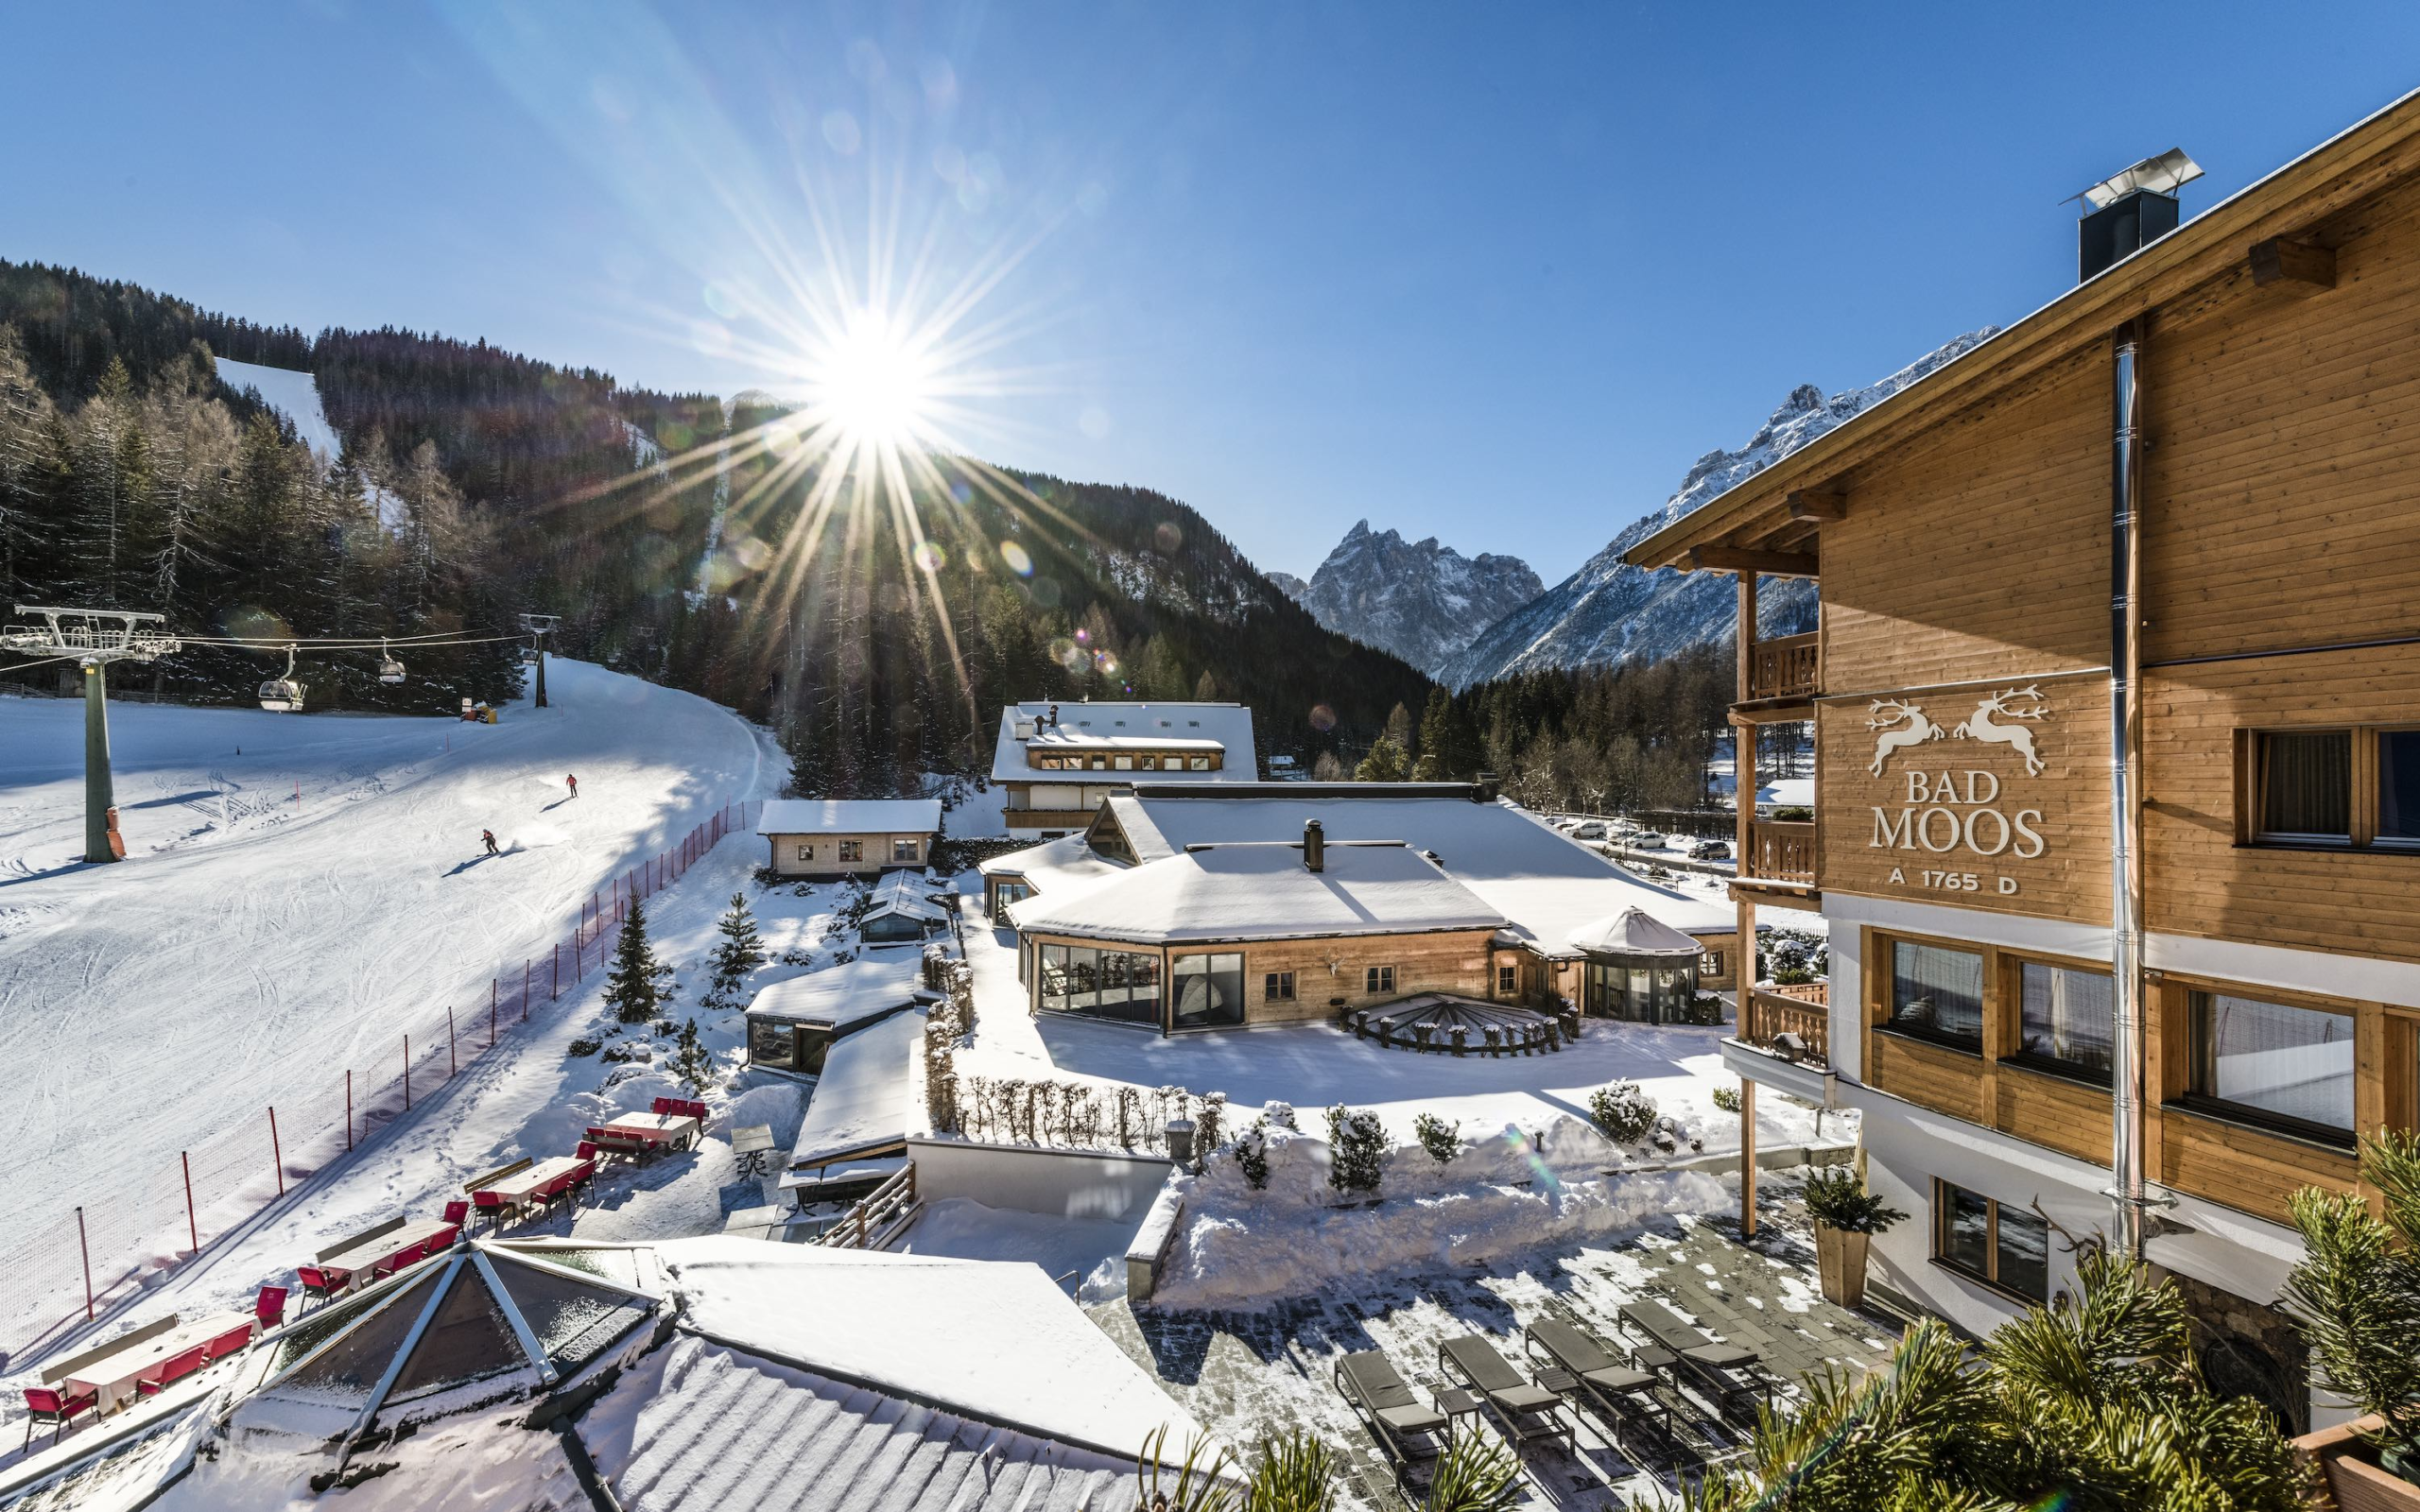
column 282, row 694
column 390, row 670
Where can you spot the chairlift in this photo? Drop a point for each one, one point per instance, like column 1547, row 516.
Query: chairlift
column 528, row 655
column 282, row 694
column 390, row 670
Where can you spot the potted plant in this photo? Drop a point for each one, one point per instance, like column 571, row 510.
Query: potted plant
column 2355, row 1298
column 1847, row 1217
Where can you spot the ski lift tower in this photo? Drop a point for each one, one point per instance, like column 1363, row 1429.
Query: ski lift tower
column 540, row 627
column 95, row 638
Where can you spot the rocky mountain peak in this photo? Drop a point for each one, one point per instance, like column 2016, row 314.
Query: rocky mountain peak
column 1422, row 600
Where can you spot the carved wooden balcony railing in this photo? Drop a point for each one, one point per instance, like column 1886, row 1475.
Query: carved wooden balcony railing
column 1769, row 1011
column 1784, row 667
column 1781, row 852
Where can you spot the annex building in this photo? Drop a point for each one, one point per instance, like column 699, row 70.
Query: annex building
column 1056, row 762
column 2116, row 826
column 1206, row 906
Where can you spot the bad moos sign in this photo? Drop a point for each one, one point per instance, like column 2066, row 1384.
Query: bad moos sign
column 1956, row 805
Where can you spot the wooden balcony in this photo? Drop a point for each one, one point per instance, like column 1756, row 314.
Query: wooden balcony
column 1780, row 852
column 1786, row 666
column 1805, row 1011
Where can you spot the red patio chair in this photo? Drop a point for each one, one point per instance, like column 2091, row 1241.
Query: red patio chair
column 587, row 1151
column 400, row 1258
column 269, row 1306
column 491, row 1206
column 442, row 1239
column 455, row 1213
column 46, row 1405
column 230, row 1342
column 319, row 1284
column 175, row 1368
column 664, row 1104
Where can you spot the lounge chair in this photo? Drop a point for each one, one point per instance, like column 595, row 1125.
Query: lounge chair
column 269, row 1306
column 1523, row 1410
column 319, row 1285
column 1613, row 1387
column 57, row 1407
column 174, row 1369
column 1405, row 1430
column 1731, row 1375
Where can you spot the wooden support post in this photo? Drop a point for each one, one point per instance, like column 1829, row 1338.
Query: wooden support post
column 2297, row 267
column 276, row 1156
column 1747, row 1159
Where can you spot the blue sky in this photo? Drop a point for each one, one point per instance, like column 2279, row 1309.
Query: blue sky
column 1494, row 273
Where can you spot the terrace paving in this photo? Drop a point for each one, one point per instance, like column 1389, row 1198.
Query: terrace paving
column 1249, row 1374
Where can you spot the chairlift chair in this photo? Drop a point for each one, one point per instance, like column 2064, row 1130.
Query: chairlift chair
column 390, row 670
column 282, row 694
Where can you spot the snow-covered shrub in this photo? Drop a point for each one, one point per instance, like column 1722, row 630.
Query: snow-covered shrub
column 1207, row 1123
column 1793, row 958
column 1442, row 1141
column 941, row 1069
column 1356, row 1147
column 583, row 1046
column 637, row 1051
column 1623, row 1112
column 1727, row 1098
column 691, row 1063
column 1252, row 1155
column 1280, row 1115
column 1129, row 1116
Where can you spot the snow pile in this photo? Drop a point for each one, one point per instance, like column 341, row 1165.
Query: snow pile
column 1563, row 1185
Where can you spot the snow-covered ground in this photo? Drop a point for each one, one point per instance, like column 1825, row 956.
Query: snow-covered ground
column 257, row 943
column 294, row 395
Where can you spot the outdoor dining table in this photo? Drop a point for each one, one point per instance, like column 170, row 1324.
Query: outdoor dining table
column 113, row 1377
column 750, row 1147
column 369, row 1256
column 539, row 1182
column 677, row 1131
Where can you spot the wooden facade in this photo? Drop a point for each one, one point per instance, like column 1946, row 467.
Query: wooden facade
column 827, row 855
column 1330, row 975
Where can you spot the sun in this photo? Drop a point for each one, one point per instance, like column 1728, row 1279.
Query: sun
column 873, row 382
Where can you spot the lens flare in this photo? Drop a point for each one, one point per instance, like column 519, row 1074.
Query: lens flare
column 1015, row 557
column 929, row 556
column 1323, row 718
column 1526, row 1149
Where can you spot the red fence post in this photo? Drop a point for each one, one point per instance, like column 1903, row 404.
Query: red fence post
column 276, row 1156
column 85, row 1246
column 347, row 1110
column 193, row 1227
column 450, row 1066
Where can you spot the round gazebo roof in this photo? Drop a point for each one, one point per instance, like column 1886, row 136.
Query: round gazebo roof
column 1632, row 931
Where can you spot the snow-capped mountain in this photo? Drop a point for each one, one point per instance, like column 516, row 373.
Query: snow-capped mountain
column 1419, row 600
column 1609, row 612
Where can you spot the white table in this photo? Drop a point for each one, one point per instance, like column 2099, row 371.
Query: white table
column 113, row 1377
column 523, row 1185
column 361, row 1259
column 676, row 1129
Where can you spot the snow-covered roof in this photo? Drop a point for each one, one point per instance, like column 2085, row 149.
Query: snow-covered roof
column 996, row 1341
column 1054, row 865
column 851, row 815
column 906, row 893
column 1176, row 726
column 845, row 993
column 860, row 1099
column 1262, row 890
column 1546, row 883
column 1632, row 931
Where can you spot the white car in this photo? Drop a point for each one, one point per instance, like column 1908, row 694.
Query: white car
column 1591, row 830
column 1648, row 840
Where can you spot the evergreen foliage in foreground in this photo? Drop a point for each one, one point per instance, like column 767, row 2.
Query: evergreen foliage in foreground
column 2356, row 1296
column 2089, row 1405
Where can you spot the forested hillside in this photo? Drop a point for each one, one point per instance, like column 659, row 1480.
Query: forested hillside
column 673, row 533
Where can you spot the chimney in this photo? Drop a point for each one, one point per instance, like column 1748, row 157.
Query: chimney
column 1052, row 719
column 1314, row 846
column 2130, row 211
column 1486, row 788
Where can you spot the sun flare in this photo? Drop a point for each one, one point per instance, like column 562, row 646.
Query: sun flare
column 873, row 384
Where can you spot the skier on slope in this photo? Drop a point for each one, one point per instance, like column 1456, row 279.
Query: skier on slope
column 487, row 837
column 572, row 783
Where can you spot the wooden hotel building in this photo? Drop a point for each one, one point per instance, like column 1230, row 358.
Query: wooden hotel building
column 2116, row 698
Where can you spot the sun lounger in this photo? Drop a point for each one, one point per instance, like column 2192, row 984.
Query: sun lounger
column 1405, row 1430
column 1734, row 1376
column 1523, row 1410
column 1613, row 1387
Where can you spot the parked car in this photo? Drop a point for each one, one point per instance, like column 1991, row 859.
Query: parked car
column 1710, row 850
column 1648, row 840
column 1588, row 830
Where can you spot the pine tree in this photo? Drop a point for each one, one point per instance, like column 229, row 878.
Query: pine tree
column 1385, row 764
column 739, row 954
column 690, row 1061
column 634, row 990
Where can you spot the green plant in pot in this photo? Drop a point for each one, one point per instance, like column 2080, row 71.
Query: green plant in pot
column 1847, row 1217
column 2356, row 1296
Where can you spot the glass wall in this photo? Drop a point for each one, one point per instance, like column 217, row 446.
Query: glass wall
column 2270, row 1063
column 1209, row 990
column 1642, row 989
column 1937, row 993
column 1100, row 984
column 2066, row 1020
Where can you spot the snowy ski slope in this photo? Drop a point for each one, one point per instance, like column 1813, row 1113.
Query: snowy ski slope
column 252, row 941
column 295, row 395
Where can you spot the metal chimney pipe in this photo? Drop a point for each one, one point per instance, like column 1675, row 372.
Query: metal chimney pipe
column 2129, row 1078
column 1314, row 846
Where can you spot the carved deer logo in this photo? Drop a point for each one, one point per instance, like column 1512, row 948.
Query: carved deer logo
column 1902, row 725
column 2025, row 703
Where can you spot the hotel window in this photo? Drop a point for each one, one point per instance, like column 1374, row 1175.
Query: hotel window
column 2357, row 787
column 1209, row 990
column 1710, row 963
column 2063, row 1023
column 1006, row 893
column 1199, row 763
column 1100, row 984
column 1125, row 764
column 903, row 850
column 853, row 850
column 806, row 853
column 1937, row 993
column 2009, row 1247
column 2288, row 1068
column 1378, row 979
column 1508, row 981
column 1278, row 986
